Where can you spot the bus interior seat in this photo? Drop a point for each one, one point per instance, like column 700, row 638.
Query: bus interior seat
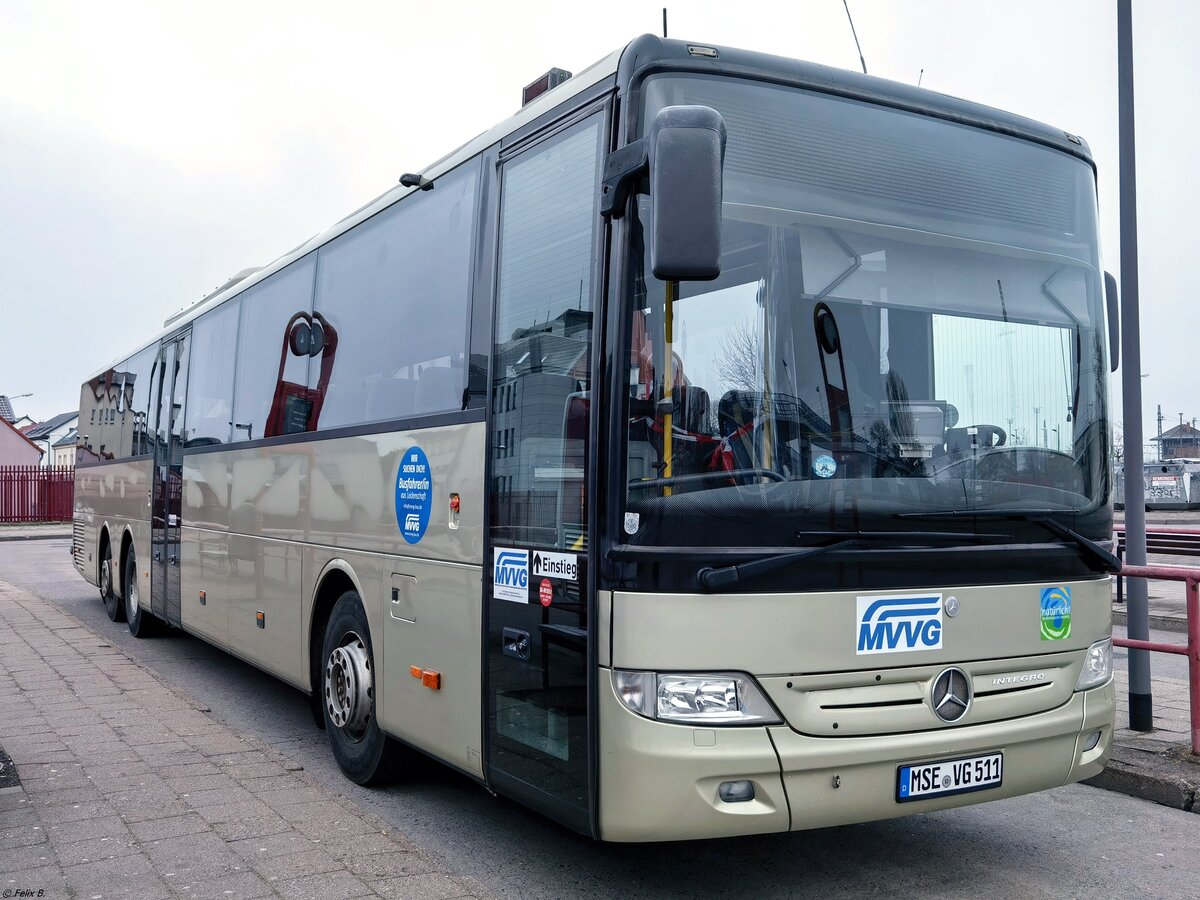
column 735, row 410
column 742, row 419
column 690, row 410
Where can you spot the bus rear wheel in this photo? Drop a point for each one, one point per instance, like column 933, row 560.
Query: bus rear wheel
column 362, row 751
column 141, row 623
column 112, row 603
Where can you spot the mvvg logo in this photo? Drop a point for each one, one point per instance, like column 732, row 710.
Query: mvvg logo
column 510, row 577
column 899, row 624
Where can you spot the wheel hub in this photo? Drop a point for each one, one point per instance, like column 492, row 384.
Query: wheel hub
column 106, row 578
column 131, row 597
column 349, row 687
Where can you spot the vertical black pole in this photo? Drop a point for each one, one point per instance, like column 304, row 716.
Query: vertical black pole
column 1141, row 707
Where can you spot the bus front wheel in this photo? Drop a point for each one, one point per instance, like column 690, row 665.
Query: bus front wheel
column 348, row 694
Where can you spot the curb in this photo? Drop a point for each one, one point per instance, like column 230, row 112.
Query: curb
column 1151, row 776
column 36, row 537
column 1162, row 623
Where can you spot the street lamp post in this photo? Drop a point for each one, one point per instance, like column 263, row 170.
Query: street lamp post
column 1141, row 706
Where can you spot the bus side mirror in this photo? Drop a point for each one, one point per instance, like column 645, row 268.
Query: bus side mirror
column 687, row 154
column 1114, row 321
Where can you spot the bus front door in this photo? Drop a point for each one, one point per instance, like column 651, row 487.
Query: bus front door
column 168, row 480
column 538, row 628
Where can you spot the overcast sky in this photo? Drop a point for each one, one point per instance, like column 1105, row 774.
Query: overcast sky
column 150, row 150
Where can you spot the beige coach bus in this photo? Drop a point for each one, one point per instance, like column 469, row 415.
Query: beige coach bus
column 672, row 458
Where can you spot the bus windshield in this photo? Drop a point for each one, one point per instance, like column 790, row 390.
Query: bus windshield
column 909, row 319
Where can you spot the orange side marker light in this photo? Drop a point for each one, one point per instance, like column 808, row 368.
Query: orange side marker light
column 416, row 671
column 432, row 679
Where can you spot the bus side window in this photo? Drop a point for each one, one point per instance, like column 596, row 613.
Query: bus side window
column 267, row 308
column 396, row 288
column 543, row 341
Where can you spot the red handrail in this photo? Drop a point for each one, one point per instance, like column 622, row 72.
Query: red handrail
column 1161, row 530
column 1191, row 578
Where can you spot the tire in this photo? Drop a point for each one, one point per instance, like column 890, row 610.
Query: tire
column 142, row 623
column 113, row 605
column 363, row 752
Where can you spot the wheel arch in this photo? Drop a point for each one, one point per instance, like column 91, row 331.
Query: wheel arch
column 336, row 578
column 119, row 561
column 104, row 540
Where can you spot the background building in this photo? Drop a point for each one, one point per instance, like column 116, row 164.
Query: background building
column 15, row 448
column 46, row 435
column 1181, row 442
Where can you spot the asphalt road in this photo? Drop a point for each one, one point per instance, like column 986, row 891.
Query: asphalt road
column 1072, row 842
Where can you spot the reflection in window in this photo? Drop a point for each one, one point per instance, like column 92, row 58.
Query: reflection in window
column 210, row 386
column 269, row 374
column 543, row 334
column 113, row 410
column 1008, row 372
column 397, row 289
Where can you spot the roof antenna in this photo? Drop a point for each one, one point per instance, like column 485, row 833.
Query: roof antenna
column 846, row 3
column 919, row 77
column 664, row 21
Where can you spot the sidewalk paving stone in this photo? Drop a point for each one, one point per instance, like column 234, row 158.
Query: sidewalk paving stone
column 318, row 887
column 238, row 829
column 420, row 887
column 305, row 861
column 131, row 789
column 1156, row 765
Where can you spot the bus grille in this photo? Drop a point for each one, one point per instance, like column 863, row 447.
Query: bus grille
column 77, row 544
column 892, row 701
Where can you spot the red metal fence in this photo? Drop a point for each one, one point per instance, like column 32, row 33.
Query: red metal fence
column 1190, row 576
column 36, row 494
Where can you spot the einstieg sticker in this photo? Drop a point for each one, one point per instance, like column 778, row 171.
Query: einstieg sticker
column 1056, row 613
column 555, row 565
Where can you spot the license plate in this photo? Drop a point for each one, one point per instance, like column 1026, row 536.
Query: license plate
column 951, row 776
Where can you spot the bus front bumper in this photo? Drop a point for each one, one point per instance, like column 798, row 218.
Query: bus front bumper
column 661, row 781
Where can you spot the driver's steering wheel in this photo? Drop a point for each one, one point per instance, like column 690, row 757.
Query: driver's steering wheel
column 986, row 437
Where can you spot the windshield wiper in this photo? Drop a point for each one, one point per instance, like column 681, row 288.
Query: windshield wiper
column 723, row 576
column 1089, row 549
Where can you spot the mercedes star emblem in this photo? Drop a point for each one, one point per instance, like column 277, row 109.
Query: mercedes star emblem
column 951, row 694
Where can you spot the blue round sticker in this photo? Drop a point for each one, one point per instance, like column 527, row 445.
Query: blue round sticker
column 824, row 466
column 414, row 494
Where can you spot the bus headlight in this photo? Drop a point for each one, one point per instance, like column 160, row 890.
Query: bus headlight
column 722, row 698
column 1097, row 665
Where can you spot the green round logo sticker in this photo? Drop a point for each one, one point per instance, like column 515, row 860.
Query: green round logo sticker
column 1056, row 613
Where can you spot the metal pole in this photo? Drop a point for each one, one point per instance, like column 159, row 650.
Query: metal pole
column 1141, row 706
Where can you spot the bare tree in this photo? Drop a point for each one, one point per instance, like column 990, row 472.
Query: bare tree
column 1118, row 445
column 740, row 364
